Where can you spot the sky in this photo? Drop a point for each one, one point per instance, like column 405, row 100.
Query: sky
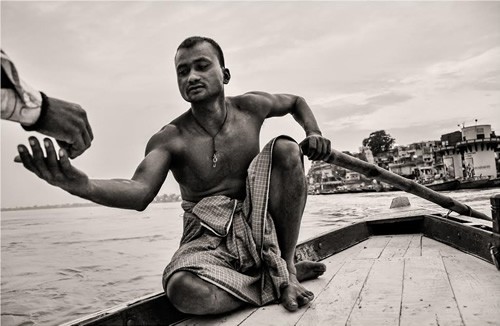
column 414, row 69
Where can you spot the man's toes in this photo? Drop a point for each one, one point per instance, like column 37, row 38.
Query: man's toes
column 319, row 268
column 302, row 300
column 290, row 304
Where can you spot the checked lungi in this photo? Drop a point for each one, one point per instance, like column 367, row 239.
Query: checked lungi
column 233, row 244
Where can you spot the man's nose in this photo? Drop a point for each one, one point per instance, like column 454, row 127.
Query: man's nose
column 193, row 77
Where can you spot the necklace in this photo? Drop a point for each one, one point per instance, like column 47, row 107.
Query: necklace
column 214, row 156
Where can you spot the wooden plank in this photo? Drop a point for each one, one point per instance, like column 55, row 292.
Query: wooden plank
column 373, row 247
column 476, row 285
column 397, row 246
column 380, row 300
column 415, row 247
column 333, row 305
column 276, row 314
column 433, row 248
column 427, row 295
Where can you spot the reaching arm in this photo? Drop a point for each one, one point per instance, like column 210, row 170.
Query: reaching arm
column 315, row 146
column 135, row 193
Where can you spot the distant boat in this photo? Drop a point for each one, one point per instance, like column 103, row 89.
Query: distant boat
column 476, row 184
column 465, row 184
column 443, row 186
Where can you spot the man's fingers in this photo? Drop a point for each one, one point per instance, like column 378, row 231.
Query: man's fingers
column 316, row 148
column 52, row 163
column 26, row 159
column 64, row 162
column 312, row 147
column 326, row 149
column 329, row 149
column 79, row 146
column 89, row 130
column 318, row 153
column 39, row 158
column 86, row 139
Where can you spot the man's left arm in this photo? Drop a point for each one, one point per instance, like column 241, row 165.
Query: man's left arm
column 314, row 146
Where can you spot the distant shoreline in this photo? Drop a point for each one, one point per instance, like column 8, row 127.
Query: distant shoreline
column 165, row 199
column 24, row 208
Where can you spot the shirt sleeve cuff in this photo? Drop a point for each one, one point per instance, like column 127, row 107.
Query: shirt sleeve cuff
column 30, row 112
column 22, row 111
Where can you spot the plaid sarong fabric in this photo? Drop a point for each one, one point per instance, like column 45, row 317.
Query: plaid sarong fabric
column 233, row 244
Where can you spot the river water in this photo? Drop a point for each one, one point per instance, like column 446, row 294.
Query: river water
column 61, row 264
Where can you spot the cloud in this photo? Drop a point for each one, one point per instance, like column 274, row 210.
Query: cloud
column 389, row 98
column 345, row 111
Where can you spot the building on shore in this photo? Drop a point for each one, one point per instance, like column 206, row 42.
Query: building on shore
column 415, row 161
column 473, row 153
column 474, row 156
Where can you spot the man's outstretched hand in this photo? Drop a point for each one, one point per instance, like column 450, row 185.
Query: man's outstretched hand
column 316, row 147
column 68, row 124
column 57, row 172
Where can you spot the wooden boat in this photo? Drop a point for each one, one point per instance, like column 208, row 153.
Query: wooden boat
column 467, row 184
column 409, row 267
column 477, row 184
column 443, row 186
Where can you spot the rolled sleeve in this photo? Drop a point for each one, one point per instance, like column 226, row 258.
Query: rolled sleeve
column 20, row 102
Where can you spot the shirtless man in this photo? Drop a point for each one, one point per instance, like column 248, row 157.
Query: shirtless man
column 209, row 149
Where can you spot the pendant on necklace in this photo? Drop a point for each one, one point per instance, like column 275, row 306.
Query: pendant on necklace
column 214, row 160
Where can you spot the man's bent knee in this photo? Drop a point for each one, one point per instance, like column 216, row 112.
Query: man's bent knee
column 287, row 154
column 188, row 293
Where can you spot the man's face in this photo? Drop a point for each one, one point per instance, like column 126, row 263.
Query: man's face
column 199, row 74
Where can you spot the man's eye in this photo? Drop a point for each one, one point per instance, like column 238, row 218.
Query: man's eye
column 203, row 66
column 182, row 72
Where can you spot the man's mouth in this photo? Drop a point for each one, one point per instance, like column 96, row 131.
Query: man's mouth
column 194, row 88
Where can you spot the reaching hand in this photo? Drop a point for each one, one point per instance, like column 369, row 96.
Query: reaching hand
column 316, row 147
column 57, row 172
column 68, row 124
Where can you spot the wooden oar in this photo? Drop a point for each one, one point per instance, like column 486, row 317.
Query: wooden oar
column 375, row 172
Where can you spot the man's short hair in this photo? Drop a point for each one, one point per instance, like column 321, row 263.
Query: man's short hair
column 195, row 40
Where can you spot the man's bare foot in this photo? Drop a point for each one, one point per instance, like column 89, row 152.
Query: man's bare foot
column 294, row 295
column 307, row 270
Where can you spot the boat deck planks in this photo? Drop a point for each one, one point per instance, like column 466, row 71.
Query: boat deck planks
column 397, row 247
column 476, row 287
column 334, row 305
column 415, row 246
column 389, row 280
column 427, row 294
column 373, row 247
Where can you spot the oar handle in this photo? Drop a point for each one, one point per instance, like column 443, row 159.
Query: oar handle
column 375, row 172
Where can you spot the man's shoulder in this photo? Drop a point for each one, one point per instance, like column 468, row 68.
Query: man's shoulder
column 250, row 97
column 168, row 135
column 250, row 101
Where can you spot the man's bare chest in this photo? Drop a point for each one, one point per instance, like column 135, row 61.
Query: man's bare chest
column 234, row 148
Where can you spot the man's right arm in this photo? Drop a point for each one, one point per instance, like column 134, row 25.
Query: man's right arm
column 135, row 193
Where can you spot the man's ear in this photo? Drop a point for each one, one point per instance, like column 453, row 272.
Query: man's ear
column 227, row 75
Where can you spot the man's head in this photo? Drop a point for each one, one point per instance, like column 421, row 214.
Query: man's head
column 199, row 63
column 190, row 42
